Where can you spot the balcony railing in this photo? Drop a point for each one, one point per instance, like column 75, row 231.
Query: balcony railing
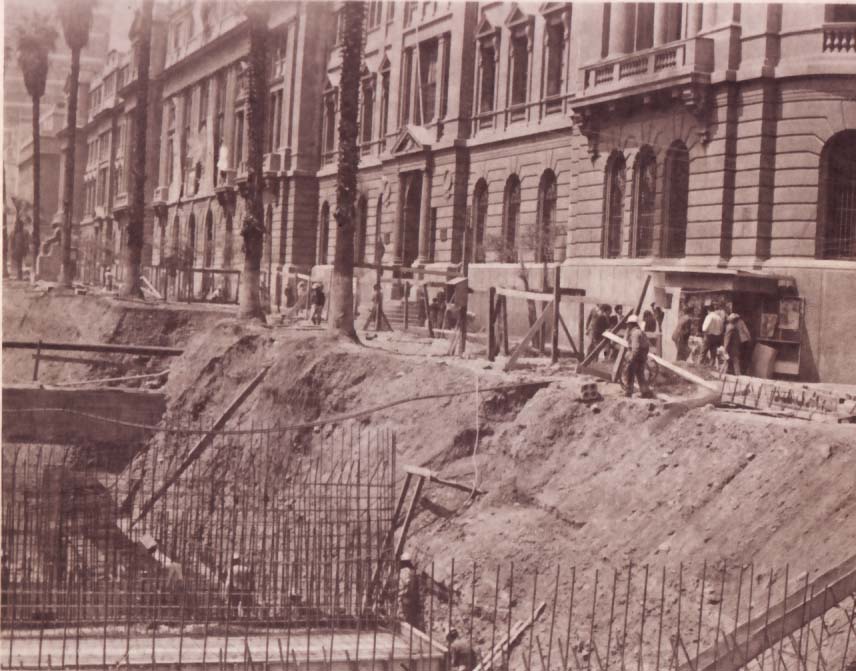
column 693, row 55
column 839, row 37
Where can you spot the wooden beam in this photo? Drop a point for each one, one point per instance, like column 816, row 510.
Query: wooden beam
column 434, row 477
column 405, row 269
column 581, row 331
column 677, row 370
column 528, row 337
column 107, row 348
column 569, row 295
column 427, row 311
column 203, row 443
column 771, row 626
column 491, row 325
column 509, row 641
column 557, row 297
column 568, row 336
column 408, row 518
column 598, row 346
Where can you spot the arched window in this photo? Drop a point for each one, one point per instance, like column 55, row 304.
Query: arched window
column 616, row 180
column 379, row 249
column 546, row 232
column 323, row 234
column 645, row 191
column 677, row 185
column 476, row 253
column 510, row 219
column 176, row 236
column 361, row 230
column 208, row 249
column 836, row 225
column 191, row 241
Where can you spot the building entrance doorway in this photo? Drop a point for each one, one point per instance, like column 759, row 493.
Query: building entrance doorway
column 410, row 227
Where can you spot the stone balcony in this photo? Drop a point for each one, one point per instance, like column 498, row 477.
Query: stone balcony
column 839, row 37
column 687, row 61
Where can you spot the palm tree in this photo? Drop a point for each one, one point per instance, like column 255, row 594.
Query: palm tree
column 252, row 229
column 36, row 39
column 136, row 221
column 342, row 290
column 76, row 19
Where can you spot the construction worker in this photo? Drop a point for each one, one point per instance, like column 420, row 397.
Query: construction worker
column 409, row 594
column 462, row 656
column 637, row 357
column 318, row 300
column 732, row 345
column 240, row 587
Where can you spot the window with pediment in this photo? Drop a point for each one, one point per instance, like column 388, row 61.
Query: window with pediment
column 487, row 39
column 520, row 28
column 367, row 113
column 557, row 24
column 384, row 99
column 328, row 123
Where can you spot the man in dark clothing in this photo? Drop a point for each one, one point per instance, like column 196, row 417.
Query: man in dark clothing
column 637, row 356
column 731, row 344
column 659, row 315
column 681, row 334
column 600, row 324
column 318, row 300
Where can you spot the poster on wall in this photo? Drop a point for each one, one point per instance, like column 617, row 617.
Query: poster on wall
column 789, row 314
column 769, row 321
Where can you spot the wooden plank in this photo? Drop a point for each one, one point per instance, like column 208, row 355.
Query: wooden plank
column 677, row 370
column 504, row 326
column 411, row 511
column 404, row 269
column 491, row 325
column 509, row 641
column 528, row 337
column 546, row 296
column 434, row 477
column 568, row 336
column 203, row 442
column 140, row 350
column 581, row 331
column 557, row 296
column 769, row 627
column 598, row 347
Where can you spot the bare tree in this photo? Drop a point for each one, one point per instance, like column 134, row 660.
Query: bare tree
column 252, row 228
column 76, row 19
column 36, row 39
column 342, row 289
column 142, row 32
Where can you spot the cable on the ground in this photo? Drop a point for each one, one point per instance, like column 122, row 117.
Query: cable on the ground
column 286, row 427
column 80, row 383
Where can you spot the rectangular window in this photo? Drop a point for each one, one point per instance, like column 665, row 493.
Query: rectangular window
column 186, row 124
column 104, row 151
column 219, row 117
column 384, row 103
column 644, row 37
column 519, row 68
column 368, row 112
column 239, row 137
column 203, row 105
column 488, row 78
column 329, row 127
column 409, row 11
column 170, row 157
column 555, row 58
column 375, row 13
column 428, row 79
column 274, row 122
column 405, row 86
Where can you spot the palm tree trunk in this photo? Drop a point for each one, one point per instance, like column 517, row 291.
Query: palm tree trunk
column 136, row 218
column 342, row 291
column 36, row 238
column 252, row 229
column 68, row 185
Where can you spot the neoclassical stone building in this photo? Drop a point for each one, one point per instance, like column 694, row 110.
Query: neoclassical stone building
column 710, row 145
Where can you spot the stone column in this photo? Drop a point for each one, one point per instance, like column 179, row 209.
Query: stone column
column 694, row 13
column 709, row 16
column 662, row 14
column 620, row 27
column 399, row 220
column 424, row 256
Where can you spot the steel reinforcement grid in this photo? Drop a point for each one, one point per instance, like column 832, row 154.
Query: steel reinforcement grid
column 275, row 547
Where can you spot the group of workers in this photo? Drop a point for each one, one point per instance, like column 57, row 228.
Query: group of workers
column 727, row 340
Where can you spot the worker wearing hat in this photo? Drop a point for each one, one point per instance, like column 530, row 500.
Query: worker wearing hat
column 462, row 656
column 409, row 592
column 637, row 356
column 731, row 343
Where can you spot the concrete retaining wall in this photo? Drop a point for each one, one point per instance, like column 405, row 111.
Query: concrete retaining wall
column 23, row 424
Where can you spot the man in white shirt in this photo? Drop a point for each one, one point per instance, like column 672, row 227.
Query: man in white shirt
column 713, row 328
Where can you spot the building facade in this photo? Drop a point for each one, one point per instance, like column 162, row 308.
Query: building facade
column 708, row 145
